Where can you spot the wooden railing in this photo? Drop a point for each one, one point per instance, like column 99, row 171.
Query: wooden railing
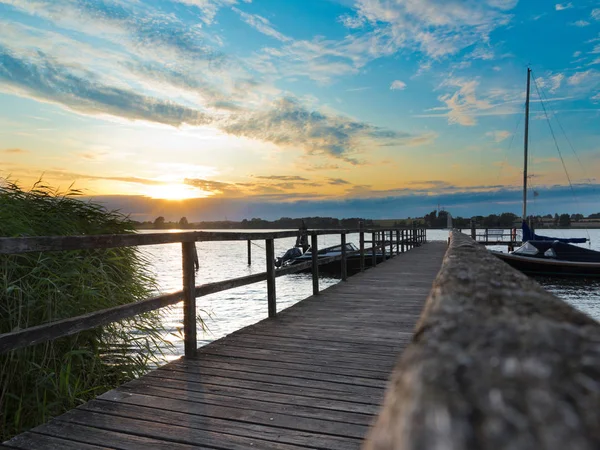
column 496, row 362
column 401, row 239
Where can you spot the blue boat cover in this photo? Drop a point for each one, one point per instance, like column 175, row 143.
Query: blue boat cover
column 529, row 235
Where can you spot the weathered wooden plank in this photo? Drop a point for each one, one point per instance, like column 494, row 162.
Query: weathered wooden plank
column 357, row 402
column 170, row 434
column 270, row 404
column 190, row 420
column 307, row 370
column 275, row 383
column 497, row 363
column 28, row 441
column 228, row 412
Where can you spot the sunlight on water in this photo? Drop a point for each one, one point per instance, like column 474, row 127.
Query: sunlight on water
column 583, row 294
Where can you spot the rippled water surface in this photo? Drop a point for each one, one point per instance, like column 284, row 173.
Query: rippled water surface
column 584, row 294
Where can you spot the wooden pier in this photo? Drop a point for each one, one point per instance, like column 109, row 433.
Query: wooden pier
column 312, row 377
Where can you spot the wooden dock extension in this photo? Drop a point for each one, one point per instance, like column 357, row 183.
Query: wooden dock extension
column 311, row 377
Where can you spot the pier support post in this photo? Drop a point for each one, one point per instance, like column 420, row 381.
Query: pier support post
column 362, row 248
column 271, row 295
column 314, row 248
column 249, row 252
column 373, row 249
column 402, row 240
column 344, row 260
column 189, row 299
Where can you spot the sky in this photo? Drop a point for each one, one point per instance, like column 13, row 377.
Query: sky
column 232, row 109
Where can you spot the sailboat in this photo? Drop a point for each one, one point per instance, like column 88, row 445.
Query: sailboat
column 545, row 255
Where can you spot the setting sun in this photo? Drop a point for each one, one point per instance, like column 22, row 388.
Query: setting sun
column 175, row 192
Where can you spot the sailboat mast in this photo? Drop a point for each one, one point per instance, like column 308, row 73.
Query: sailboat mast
column 526, row 143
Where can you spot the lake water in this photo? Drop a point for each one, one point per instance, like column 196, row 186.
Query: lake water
column 227, row 311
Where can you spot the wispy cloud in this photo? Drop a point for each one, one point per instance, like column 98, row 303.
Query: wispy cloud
column 337, row 181
column 262, row 25
column 563, row 6
column 581, row 23
column 398, row 85
column 282, row 177
column 14, row 151
column 499, row 136
column 287, row 123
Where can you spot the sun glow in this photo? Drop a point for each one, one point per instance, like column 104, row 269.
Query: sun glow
column 175, row 192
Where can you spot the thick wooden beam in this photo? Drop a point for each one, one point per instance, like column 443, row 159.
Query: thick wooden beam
column 189, row 299
column 249, row 252
column 344, row 262
column 496, row 362
column 374, row 249
column 314, row 248
column 271, row 295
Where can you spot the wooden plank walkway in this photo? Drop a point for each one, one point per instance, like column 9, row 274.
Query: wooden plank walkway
column 313, row 377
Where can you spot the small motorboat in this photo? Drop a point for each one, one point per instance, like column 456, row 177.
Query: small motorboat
column 295, row 256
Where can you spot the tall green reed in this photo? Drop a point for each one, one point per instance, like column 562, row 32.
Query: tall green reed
column 42, row 381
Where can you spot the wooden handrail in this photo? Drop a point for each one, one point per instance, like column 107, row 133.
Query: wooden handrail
column 66, row 327
column 496, row 362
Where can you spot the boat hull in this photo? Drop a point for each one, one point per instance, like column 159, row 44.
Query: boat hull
column 550, row 267
column 334, row 268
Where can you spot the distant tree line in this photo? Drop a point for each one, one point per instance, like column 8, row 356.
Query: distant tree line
column 255, row 223
column 435, row 219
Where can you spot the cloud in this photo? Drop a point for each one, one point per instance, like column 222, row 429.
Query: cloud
column 398, row 85
column 585, row 77
column 262, row 25
column 463, row 104
column 499, row 136
column 595, row 14
column 210, row 8
column 281, row 177
column 287, row 123
column 576, row 54
column 212, row 186
column 337, row 181
column 436, row 28
column 563, row 6
column 15, row 151
column 358, row 89
column 44, row 80
column 581, row 23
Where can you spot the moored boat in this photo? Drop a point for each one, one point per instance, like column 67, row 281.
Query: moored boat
column 545, row 255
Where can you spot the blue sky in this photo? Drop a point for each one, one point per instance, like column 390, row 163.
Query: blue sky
column 389, row 107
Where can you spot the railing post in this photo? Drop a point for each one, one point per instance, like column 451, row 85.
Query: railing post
column 373, row 252
column 189, row 299
column 391, row 243
column 344, row 260
column 271, row 295
column 362, row 248
column 382, row 240
column 473, row 236
column 314, row 248
column 402, row 234
column 397, row 241
column 249, row 252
